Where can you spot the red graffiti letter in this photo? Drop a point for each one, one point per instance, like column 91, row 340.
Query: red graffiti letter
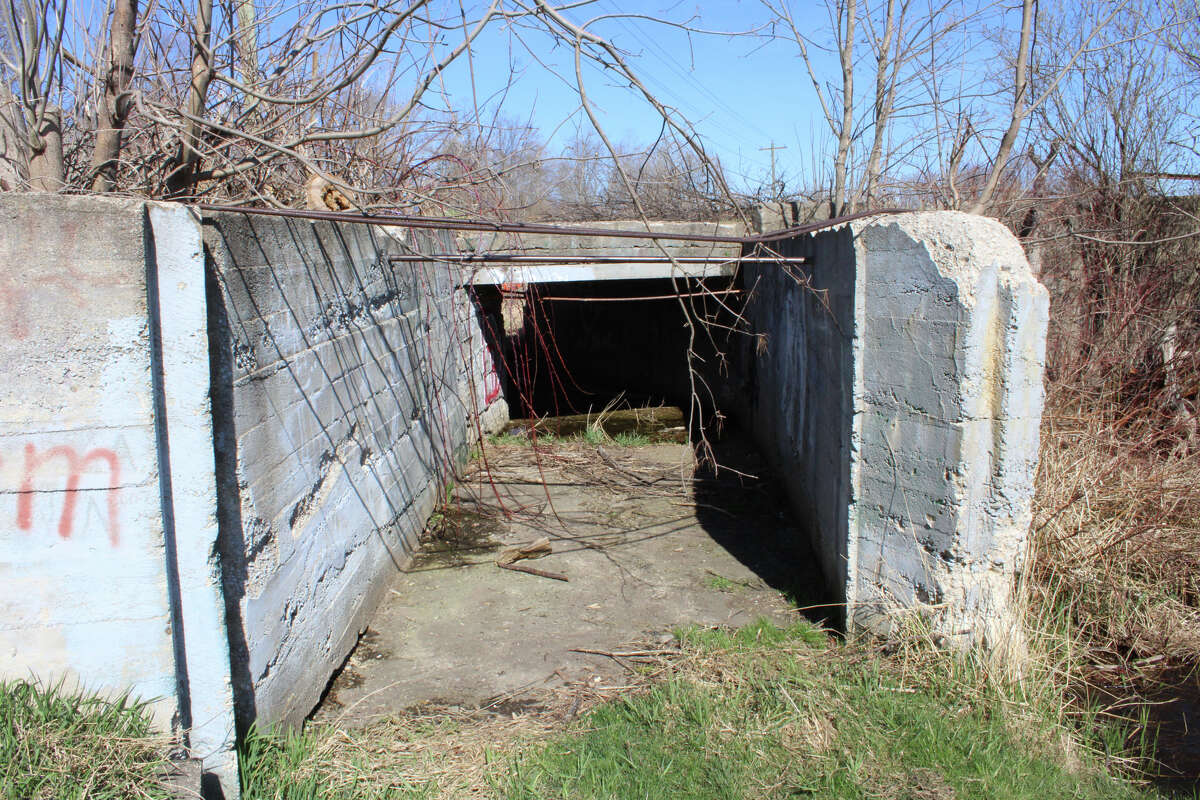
column 491, row 381
column 75, row 466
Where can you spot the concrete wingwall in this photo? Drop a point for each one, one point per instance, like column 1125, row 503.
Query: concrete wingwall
column 107, row 491
column 219, row 439
column 346, row 389
column 914, row 348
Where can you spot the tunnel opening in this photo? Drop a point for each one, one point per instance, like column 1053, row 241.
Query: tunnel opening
column 578, row 347
column 570, row 353
column 642, row 537
column 566, row 350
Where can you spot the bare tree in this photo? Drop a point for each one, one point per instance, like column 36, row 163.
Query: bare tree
column 113, row 108
column 33, row 35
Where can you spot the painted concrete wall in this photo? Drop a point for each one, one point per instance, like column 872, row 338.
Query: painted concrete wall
column 915, row 353
column 106, row 482
column 218, row 441
column 796, row 387
column 345, row 389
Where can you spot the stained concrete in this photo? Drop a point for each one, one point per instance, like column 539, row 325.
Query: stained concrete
column 106, row 471
column 345, row 387
column 648, row 545
column 898, row 388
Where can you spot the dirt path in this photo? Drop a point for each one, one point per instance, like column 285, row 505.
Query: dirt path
column 647, row 545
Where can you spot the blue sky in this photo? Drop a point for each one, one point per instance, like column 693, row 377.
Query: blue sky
column 741, row 93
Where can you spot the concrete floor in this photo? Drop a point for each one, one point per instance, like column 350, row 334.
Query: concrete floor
column 647, row 545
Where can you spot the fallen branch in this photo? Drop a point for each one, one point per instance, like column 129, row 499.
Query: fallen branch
column 541, row 573
column 627, row 654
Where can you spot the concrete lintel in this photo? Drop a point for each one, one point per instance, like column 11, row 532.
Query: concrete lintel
column 562, row 273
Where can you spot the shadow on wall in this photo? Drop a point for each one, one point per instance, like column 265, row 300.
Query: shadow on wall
column 342, row 385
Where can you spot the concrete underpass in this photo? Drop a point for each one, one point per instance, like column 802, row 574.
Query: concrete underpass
column 225, row 433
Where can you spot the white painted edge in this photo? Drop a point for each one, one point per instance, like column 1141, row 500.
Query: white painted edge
column 184, row 330
column 563, row 273
column 856, row 252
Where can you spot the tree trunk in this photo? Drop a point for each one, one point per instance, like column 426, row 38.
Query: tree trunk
column 885, row 68
column 46, row 171
column 1020, row 102
column 840, row 165
column 14, row 156
column 115, row 104
column 180, row 180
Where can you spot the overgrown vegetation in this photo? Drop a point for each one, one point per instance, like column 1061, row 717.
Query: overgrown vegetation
column 1114, row 570
column 65, row 745
column 754, row 713
column 758, row 712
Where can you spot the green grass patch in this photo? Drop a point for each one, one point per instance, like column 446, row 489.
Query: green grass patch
column 66, row 745
column 594, row 435
column 631, row 439
column 720, row 583
column 758, row 712
column 785, row 712
column 300, row 766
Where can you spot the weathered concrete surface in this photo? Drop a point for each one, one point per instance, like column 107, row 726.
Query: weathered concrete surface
column 647, row 545
column 106, row 478
column 901, row 394
column 346, row 389
column 81, row 530
column 948, row 407
column 187, row 485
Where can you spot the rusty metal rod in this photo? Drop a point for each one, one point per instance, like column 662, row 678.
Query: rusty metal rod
column 634, row 298
column 459, row 224
column 505, row 258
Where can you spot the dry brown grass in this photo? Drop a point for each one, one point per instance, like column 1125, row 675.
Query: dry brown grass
column 1116, row 524
column 441, row 752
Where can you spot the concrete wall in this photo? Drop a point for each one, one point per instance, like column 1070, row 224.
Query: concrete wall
column 915, row 357
column 345, row 390
column 218, row 441
column 106, row 482
column 796, row 388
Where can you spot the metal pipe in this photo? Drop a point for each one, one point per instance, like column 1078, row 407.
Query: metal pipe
column 459, row 224
column 505, row 258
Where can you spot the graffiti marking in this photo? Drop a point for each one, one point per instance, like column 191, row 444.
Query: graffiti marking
column 75, row 467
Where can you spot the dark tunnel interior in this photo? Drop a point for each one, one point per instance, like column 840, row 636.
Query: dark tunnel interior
column 577, row 347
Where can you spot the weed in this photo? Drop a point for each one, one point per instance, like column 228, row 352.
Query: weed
column 720, row 583
column 631, row 439
column 62, row 744
column 723, row 584
column 507, row 440
column 594, row 434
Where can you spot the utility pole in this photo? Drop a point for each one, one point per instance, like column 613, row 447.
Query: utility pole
column 773, row 148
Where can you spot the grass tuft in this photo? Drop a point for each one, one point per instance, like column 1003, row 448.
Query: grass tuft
column 66, row 745
column 786, row 712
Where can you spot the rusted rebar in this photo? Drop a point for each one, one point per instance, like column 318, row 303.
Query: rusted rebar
column 462, row 224
column 510, row 258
